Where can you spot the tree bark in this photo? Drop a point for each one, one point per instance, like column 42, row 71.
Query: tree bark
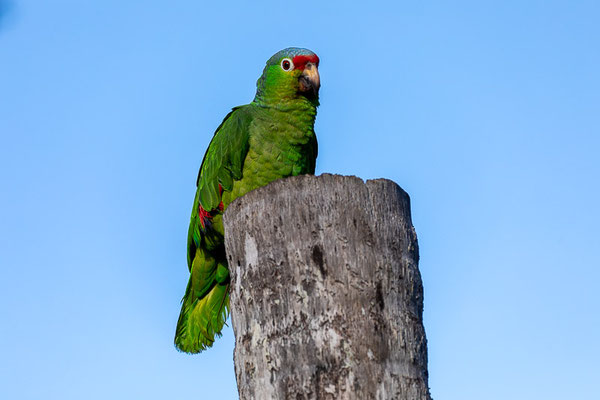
column 326, row 295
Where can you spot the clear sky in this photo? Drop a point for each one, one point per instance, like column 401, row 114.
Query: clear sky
column 486, row 112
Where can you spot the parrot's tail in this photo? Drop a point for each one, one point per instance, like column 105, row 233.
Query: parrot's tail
column 205, row 306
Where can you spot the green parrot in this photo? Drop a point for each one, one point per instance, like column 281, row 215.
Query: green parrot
column 271, row 138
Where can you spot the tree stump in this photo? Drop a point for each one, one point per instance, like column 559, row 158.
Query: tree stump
column 326, row 295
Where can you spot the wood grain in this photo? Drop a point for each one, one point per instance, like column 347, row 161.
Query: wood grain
column 326, row 295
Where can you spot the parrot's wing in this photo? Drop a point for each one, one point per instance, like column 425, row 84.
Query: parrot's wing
column 222, row 164
column 224, row 158
column 206, row 301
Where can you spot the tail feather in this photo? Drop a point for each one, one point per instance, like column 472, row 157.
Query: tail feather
column 201, row 320
column 205, row 306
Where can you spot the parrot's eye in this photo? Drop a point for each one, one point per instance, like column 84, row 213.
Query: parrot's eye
column 287, row 64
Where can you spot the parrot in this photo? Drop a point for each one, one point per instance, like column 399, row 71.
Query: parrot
column 270, row 138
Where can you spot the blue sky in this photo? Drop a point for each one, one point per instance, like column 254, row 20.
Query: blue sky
column 486, row 112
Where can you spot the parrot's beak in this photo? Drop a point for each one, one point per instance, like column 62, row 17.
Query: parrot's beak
column 310, row 81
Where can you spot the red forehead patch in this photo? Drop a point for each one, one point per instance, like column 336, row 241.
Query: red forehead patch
column 301, row 60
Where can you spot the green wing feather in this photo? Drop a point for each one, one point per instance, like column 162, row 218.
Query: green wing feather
column 222, row 164
column 224, row 158
column 205, row 304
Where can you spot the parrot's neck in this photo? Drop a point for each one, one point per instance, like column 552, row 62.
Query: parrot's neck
column 300, row 103
column 300, row 113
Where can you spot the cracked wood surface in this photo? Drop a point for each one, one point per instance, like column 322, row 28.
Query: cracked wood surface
column 326, row 295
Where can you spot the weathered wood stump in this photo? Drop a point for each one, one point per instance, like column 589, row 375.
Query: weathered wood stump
column 326, row 295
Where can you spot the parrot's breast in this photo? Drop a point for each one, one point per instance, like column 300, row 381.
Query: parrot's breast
column 281, row 145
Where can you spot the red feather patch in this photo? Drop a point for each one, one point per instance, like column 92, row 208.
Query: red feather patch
column 208, row 215
column 204, row 216
column 301, row 60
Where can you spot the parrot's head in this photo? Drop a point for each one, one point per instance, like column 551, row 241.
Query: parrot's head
column 291, row 74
